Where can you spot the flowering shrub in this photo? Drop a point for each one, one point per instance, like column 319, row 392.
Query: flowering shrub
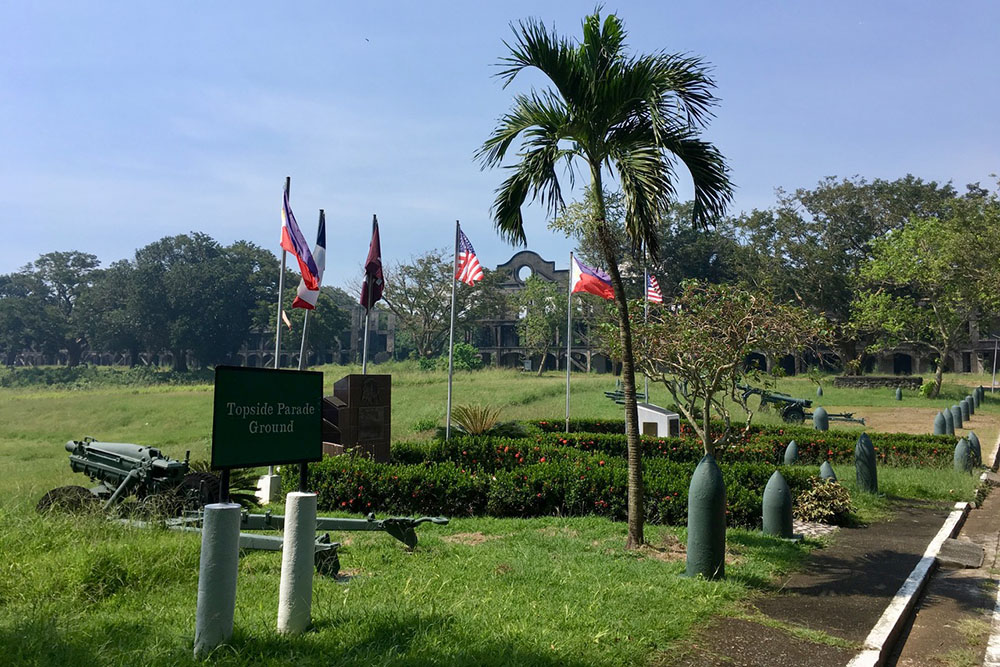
column 529, row 481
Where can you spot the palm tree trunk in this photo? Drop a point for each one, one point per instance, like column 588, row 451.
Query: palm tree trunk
column 636, row 512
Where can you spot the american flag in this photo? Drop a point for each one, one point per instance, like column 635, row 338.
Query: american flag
column 469, row 270
column 653, row 292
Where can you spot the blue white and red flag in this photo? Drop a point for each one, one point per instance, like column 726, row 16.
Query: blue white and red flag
column 595, row 281
column 653, row 292
column 293, row 241
column 469, row 270
column 305, row 297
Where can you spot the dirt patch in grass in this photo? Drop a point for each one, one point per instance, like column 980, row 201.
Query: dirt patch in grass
column 559, row 531
column 669, row 550
column 468, row 539
column 908, row 419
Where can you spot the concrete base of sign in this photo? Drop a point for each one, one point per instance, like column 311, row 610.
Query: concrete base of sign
column 297, row 555
column 268, row 489
column 220, row 554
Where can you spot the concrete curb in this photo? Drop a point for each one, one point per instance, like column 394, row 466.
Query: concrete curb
column 881, row 640
column 992, row 658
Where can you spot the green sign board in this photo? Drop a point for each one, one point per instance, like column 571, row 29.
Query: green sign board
column 266, row 417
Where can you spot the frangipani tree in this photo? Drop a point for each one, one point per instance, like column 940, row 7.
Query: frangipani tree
column 698, row 348
column 627, row 117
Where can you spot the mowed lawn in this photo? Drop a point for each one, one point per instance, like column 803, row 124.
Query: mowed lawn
column 479, row 591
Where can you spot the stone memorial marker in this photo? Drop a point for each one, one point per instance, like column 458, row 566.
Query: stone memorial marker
column 364, row 420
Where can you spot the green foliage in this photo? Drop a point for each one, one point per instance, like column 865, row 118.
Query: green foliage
column 475, row 419
column 420, row 299
column 425, row 424
column 466, row 357
column 702, row 371
column 542, row 306
column 83, row 377
column 928, row 279
column 515, row 478
column 927, row 389
column 824, row 502
column 762, row 443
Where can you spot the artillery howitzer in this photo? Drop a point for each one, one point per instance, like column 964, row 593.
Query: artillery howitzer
column 122, row 469
column 793, row 410
column 326, row 557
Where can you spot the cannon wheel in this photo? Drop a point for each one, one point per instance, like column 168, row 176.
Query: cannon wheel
column 68, row 499
column 198, row 489
column 794, row 414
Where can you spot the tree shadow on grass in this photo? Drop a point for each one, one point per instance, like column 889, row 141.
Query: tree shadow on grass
column 398, row 639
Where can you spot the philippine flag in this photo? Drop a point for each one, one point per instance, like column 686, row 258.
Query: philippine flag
column 653, row 292
column 293, row 241
column 306, row 298
column 595, row 281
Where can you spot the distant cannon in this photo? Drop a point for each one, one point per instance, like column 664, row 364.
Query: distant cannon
column 793, row 410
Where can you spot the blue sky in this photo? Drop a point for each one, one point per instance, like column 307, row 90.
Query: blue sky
column 123, row 122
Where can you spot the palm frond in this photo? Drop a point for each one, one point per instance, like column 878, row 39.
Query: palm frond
column 536, row 46
column 713, row 190
column 545, row 112
column 647, row 180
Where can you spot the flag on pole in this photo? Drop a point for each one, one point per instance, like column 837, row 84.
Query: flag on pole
column 653, row 292
column 305, row 297
column 468, row 270
column 293, row 241
column 586, row 279
column 374, row 280
column 284, row 318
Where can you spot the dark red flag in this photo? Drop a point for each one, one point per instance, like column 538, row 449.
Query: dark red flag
column 371, row 288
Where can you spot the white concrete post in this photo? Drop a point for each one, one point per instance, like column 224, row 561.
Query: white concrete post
column 297, row 556
column 220, row 553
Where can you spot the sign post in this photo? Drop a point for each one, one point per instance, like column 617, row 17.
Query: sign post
column 262, row 417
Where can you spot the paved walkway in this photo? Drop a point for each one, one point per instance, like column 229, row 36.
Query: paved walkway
column 839, row 595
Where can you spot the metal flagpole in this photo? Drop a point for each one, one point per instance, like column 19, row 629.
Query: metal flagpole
column 281, row 289
column 302, row 346
column 451, row 338
column 569, row 332
column 645, row 319
column 368, row 309
column 305, row 320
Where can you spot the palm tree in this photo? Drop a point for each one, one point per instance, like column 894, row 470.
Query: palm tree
column 629, row 117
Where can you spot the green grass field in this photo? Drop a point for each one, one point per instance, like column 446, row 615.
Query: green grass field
column 479, row 591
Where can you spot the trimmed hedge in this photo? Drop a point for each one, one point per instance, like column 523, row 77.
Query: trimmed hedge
column 764, row 444
column 536, row 481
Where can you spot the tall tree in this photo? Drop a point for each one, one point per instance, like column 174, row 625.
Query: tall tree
column 927, row 282
column 199, row 296
column 626, row 116
column 702, row 372
column 542, row 311
column 27, row 317
column 418, row 292
column 811, row 246
column 66, row 276
column 109, row 311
